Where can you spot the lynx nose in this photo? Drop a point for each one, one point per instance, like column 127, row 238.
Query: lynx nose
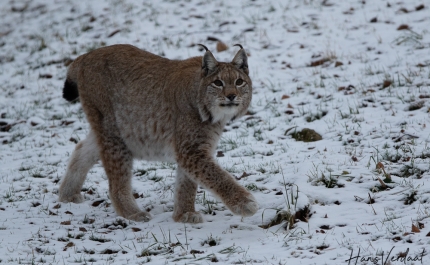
column 231, row 97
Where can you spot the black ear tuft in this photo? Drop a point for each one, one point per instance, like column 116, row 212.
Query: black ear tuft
column 240, row 60
column 204, row 47
column 209, row 63
column 239, row 45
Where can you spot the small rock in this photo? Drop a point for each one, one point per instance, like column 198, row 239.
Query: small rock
column 416, row 105
column 306, row 135
column 418, row 8
column 403, row 27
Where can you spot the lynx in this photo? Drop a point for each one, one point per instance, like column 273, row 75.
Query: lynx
column 140, row 105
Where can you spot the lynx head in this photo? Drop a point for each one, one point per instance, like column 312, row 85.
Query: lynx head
column 225, row 88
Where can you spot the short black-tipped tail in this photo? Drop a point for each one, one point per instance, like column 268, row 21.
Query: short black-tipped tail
column 70, row 90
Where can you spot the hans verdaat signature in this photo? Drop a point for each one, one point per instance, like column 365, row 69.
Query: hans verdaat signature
column 384, row 260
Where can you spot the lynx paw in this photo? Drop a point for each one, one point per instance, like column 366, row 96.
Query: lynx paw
column 76, row 198
column 189, row 217
column 246, row 206
column 140, row 217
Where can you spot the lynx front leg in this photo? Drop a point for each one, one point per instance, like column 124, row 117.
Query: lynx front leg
column 86, row 154
column 185, row 197
column 204, row 170
column 118, row 161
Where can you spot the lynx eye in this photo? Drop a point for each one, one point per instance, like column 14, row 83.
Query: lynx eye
column 218, row 82
column 239, row 82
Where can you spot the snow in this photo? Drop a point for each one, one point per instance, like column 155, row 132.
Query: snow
column 324, row 65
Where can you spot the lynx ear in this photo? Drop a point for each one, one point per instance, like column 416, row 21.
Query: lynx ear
column 240, row 60
column 209, row 63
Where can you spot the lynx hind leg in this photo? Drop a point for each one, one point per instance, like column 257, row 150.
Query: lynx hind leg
column 118, row 162
column 85, row 155
column 185, row 197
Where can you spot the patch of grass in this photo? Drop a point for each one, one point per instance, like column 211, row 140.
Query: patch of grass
column 211, row 241
column 117, row 224
column 155, row 178
column 281, row 217
column 140, row 172
column 410, row 197
column 316, row 178
column 99, row 239
column 251, row 187
column 316, row 116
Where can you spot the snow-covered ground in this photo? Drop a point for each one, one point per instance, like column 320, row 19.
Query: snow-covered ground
column 356, row 72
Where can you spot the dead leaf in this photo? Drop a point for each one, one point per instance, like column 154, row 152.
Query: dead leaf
column 47, row 76
column 402, row 10
column 219, row 154
column 82, row 229
column 386, row 83
column 319, row 62
column 415, row 229
column 244, row 175
column 285, row 96
column 403, row 27
column 66, row 223
column 221, row 46
column 97, row 203
column 382, row 183
column 137, row 195
column 210, row 38
column 418, row 8
column 68, row 245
